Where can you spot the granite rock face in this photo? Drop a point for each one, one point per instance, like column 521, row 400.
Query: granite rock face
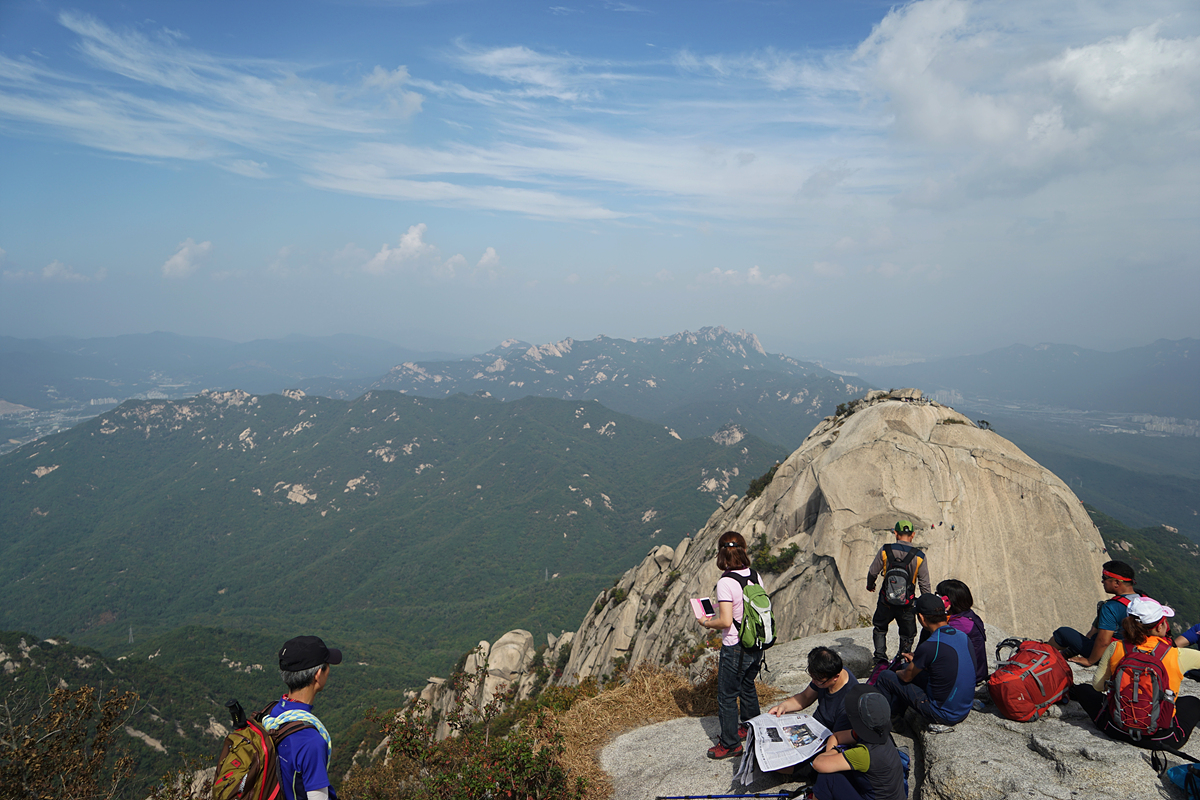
column 984, row 513
column 489, row 671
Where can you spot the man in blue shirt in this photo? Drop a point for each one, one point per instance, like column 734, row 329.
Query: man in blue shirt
column 304, row 755
column 939, row 678
column 1086, row 649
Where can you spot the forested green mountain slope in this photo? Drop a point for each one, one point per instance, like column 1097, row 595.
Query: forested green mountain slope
column 182, row 680
column 1167, row 564
column 401, row 529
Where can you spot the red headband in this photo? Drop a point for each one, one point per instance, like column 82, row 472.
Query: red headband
column 1115, row 576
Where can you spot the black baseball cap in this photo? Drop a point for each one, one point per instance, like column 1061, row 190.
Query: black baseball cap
column 869, row 712
column 931, row 605
column 306, row 652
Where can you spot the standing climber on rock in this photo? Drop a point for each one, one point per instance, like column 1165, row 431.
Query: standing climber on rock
column 737, row 667
column 903, row 568
column 1086, row 649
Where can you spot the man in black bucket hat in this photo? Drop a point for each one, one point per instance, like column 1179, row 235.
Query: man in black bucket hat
column 864, row 760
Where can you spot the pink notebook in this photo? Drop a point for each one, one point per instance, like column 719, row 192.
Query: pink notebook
column 702, row 607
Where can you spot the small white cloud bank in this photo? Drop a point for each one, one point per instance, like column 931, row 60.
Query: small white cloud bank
column 54, row 272
column 414, row 255
column 187, row 259
column 751, row 277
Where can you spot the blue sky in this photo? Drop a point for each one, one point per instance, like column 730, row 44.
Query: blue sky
column 841, row 178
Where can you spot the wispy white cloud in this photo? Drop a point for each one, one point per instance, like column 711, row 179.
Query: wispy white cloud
column 57, row 272
column 415, row 256
column 751, row 277
column 488, row 267
column 411, row 249
column 248, row 168
column 187, row 259
column 945, row 104
column 538, row 74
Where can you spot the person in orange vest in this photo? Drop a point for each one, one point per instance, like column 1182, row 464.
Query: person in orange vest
column 1147, row 630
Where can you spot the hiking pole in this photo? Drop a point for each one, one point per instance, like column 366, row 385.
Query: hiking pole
column 238, row 715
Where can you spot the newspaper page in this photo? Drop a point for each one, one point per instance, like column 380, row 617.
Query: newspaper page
column 778, row 742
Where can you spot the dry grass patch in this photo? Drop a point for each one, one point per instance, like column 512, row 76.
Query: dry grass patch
column 651, row 694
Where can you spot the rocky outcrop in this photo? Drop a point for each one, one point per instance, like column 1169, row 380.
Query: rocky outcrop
column 984, row 513
column 491, row 670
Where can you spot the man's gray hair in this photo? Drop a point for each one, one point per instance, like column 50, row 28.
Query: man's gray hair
column 298, row 680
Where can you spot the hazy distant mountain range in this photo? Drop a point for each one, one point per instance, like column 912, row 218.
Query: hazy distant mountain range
column 1161, row 378
column 693, row 382
column 428, row 523
column 53, row 373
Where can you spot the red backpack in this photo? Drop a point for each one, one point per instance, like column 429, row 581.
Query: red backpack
column 1029, row 681
column 1140, row 701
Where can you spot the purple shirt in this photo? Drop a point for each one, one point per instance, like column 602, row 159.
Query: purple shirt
column 969, row 623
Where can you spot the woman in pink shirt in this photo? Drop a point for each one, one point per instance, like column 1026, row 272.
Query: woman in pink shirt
column 738, row 667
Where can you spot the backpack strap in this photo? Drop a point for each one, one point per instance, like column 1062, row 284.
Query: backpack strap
column 289, row 722
column 743, row 581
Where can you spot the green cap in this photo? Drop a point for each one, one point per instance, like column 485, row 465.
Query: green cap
column 903, row 526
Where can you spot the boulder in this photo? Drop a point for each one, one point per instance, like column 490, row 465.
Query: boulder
column 488, row 671
column 983, row 511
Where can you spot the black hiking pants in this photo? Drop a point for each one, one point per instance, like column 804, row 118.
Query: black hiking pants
column 906, row 621
column 1187, row 714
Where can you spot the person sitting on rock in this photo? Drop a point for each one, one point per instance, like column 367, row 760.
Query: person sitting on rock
column 863, row 761
column 1189, row 637
column 1145, row 628
column 939, row 679
column 964, row 619
column 895, row 594
column 1086, row 649
column 830, row 680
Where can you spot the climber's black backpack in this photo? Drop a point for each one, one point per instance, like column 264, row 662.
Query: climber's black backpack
column 898, row 584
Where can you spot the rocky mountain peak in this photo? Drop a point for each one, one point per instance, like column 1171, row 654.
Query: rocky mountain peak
column 984, row 513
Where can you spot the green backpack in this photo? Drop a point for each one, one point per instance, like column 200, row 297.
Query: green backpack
column 757, row 628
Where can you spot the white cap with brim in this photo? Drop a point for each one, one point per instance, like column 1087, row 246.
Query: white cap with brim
column 1149, row 611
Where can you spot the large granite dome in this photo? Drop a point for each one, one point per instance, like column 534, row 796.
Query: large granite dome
column 984, row 513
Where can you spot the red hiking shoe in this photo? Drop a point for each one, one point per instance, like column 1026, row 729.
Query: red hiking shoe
column 719, row 751
column 743, row 729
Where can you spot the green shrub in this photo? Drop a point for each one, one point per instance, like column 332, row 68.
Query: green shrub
column 763, row 561
column 759, row 484
column 479, row 762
